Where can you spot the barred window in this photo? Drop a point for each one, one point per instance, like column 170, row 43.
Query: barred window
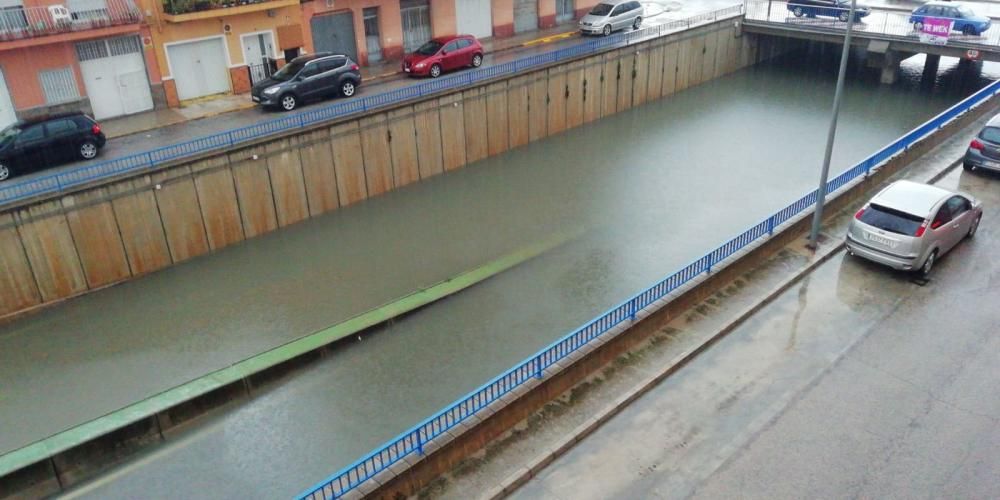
column 59, row 85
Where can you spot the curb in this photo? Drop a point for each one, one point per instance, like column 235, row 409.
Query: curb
column 518, row 478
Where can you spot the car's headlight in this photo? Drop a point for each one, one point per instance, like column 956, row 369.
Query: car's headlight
column 271, row 90
column 420, row 65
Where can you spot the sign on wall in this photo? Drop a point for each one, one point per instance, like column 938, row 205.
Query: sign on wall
column 935, row 31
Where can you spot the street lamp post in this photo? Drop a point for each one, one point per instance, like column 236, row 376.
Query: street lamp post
column 821, row 193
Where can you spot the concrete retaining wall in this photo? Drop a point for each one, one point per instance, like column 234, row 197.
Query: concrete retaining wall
column 95, row 237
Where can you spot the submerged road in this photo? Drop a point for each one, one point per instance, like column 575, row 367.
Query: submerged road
column 653, row 188
column 855, row 383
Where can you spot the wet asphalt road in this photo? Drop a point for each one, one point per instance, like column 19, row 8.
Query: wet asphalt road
column 855, row 383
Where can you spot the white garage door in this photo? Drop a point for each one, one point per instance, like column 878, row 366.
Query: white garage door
column 114, row 74
column 199, row 68
column 474, row 17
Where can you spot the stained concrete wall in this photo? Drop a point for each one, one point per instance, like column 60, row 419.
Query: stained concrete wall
column 68, row 245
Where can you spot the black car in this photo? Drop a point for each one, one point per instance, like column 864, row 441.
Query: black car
column 308, row 77
column 839, row 9
column 32, row 145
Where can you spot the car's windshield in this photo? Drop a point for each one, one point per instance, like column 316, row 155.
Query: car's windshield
column 891, row 220
column 288, row 71
column 601, row 9
column 990, row 134
column 8, row 134
column 429, row 48
column 965, row 12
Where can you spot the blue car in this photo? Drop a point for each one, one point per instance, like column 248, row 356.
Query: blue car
column 839, row 9
column 962, row 17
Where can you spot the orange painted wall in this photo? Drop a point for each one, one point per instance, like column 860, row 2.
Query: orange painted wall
column 21, row 67
column 443, row 17
column 503, row 17
column 584, row 6
column 546, row 13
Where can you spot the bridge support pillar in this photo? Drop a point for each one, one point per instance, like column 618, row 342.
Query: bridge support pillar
column 931, row 66
column 881, row 57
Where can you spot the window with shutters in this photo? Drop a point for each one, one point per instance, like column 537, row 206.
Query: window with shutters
column 59, row 85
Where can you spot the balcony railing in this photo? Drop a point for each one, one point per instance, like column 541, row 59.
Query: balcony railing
column 176, row 7
column 28, row 22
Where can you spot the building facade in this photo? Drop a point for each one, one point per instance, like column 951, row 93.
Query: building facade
column 68, row 55
column 210, row 47
column 374, row 30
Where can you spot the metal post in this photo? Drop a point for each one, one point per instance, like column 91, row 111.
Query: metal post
column 821, row 193
column 768, row 18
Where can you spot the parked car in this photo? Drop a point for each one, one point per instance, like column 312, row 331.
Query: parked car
column 308, row 77
column 444, row 54
column 962, row 17
column 611, row 15
column 839, row 9
column 909, row 225
column 28, row 146
column 984, row 150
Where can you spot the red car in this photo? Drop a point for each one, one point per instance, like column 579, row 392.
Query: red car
column 444, row 54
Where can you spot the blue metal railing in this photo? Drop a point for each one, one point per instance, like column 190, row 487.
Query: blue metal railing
column 17, row 190
column 413, row 440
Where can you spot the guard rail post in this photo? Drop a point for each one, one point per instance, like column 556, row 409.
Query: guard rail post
column 770, row 226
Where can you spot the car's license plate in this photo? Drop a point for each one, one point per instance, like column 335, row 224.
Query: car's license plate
column 879, row 239
column 255, row 98
column 406, row 70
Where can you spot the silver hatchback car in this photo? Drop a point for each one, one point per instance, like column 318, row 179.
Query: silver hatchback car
column 611, row 15
column 909, row 225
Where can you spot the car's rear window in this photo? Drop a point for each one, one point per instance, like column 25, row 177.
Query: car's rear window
column 991, row 134
column 891, row 220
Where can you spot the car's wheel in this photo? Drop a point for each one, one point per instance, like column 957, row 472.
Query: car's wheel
column 798, row 12
column 969, row 30
column 968, row 167
column 918, row 26
column 347, row 88
column 607, row 30
column 637, row 23
column 975, row 226
column 88, row 150
column 477, row 60
column 288, row 102
column 925, row 270
column 435, row 71
column 842, row 17
column 4, row 172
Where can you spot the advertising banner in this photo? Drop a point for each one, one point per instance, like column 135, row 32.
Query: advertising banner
column 935, row 30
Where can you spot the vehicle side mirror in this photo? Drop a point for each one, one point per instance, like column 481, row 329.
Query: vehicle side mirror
column 444, row 52
column 936, row 224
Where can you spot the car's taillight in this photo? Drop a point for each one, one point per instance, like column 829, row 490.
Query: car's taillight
column 920, row 230
column 859, row 213
column 975, row 144
column 355, row 67
column 96, row 129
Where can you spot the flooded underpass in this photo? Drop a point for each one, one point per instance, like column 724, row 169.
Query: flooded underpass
column 638, row 195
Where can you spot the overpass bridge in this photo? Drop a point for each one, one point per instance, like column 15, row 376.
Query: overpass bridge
column 886, row 35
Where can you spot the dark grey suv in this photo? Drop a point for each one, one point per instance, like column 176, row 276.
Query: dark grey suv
column 308, row 77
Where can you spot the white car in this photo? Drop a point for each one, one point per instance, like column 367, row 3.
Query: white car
column 909, row 225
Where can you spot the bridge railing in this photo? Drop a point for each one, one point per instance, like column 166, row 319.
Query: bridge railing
column 14, row 189
column 413, row 440
column 888, row 23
